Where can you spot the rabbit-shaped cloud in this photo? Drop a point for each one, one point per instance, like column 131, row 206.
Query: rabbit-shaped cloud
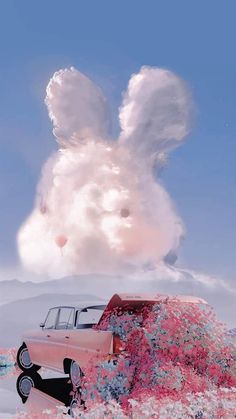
column 99, row 206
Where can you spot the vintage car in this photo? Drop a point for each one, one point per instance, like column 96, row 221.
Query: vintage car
column 66, row 338
column 68, row 341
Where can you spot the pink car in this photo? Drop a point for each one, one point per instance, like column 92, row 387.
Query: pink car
column 67, row 340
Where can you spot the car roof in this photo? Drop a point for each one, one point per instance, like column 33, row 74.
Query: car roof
column 81, row 307
column 135, row 299
column 160, row 297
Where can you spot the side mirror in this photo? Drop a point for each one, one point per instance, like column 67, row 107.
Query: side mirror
column 42, row 325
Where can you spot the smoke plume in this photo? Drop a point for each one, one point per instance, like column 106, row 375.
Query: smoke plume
column 99, row 205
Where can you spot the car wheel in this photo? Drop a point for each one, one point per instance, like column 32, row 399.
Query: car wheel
column 24, row 361
column 25, row 383
column 75, row 374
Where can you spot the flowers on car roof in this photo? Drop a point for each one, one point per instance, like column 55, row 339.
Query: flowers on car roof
column 170, row 350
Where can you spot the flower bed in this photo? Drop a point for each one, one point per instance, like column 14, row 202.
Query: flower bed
column 7, row 357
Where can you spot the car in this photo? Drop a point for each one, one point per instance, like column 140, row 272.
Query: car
column 66, row 337
column 68, row 340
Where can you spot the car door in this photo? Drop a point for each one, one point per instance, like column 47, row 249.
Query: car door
column 60, row 336
column 86, row 343
column 40, row 342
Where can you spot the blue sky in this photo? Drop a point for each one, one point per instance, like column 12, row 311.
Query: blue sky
column 110, row 40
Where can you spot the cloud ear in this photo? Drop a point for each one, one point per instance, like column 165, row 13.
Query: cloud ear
column 76, row 107
column 155, row 113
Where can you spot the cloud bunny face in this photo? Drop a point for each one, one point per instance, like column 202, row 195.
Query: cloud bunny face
column 99, row 206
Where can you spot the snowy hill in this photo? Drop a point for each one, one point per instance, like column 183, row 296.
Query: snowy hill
column 12, row 290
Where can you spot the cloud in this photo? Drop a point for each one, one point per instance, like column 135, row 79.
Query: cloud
column 156, row 111
column 76, row 107
column 99, row 207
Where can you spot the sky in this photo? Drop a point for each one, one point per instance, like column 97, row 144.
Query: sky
column 109, row 41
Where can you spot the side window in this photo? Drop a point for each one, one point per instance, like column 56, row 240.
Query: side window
column 51, row 319
column 89, row 316
column 66, row 318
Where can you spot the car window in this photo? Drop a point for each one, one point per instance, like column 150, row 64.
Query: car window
column 89, row 316
column 51, row 319
column 66, row 318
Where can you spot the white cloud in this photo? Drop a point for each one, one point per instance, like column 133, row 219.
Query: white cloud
column 156, row 111
column 99, row 207
column 76, row 107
